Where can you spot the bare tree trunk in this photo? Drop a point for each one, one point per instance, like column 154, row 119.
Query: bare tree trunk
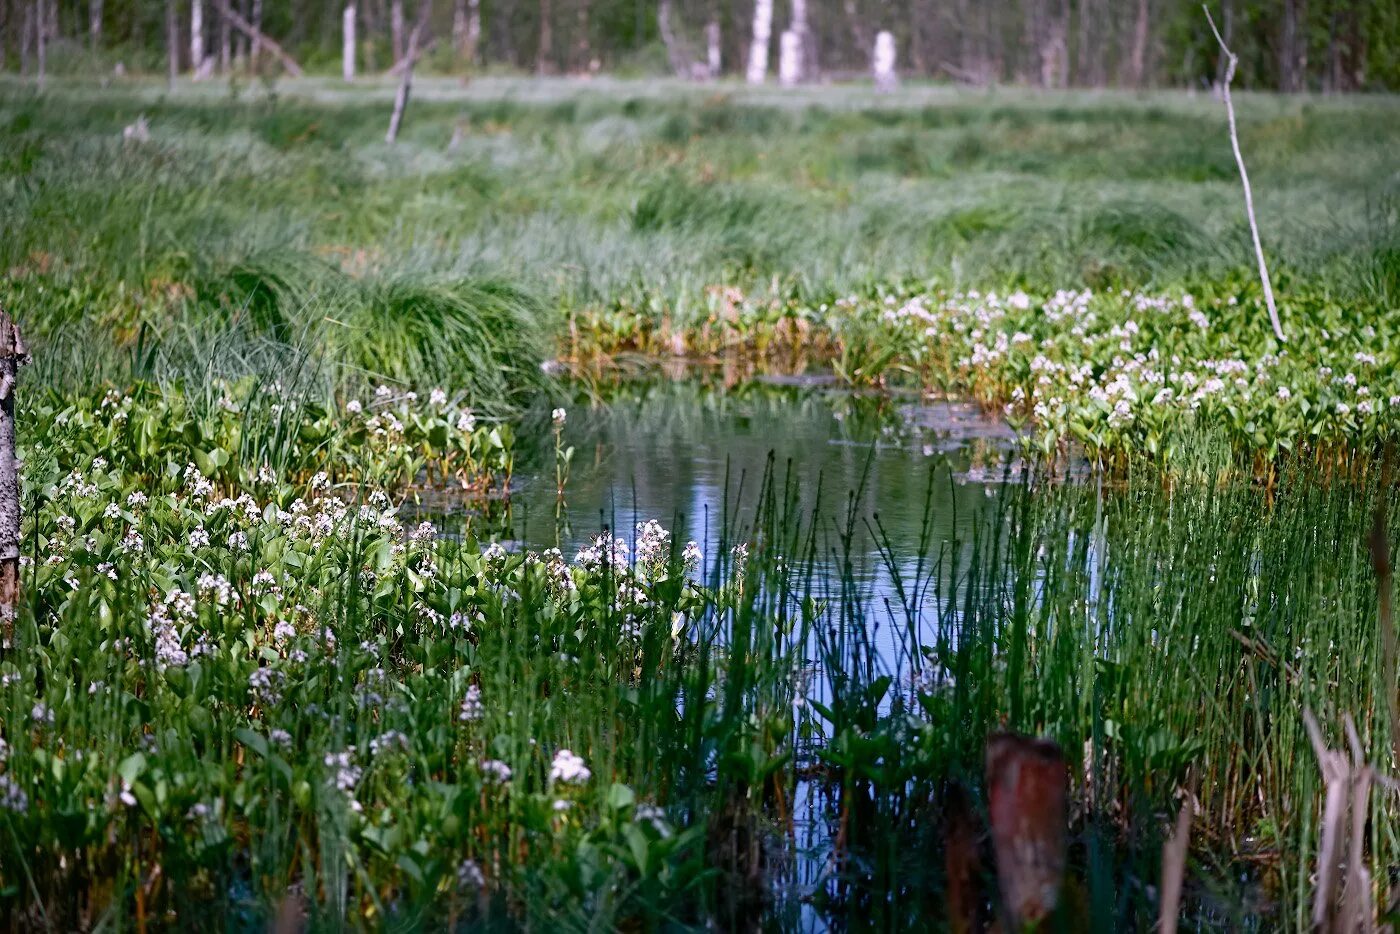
column 882, row 62
column 1293, row 46
column 459, row 31
column 225, row 45
column 1231, row 62
column 1227, row 13
column 256, row 36
column 583, row 46
column 172, row 44
column 41, row 41
column 347, row 43
column 714, row 59
column 473, row 30
column 801, row 30
column 406, row 81
column 789, row 58
column 12, row 356
column 544, row 53
column 26, row 36
column 1137, row 67
column 762, row 35
column 675, row 52
column 196, row 35
column 94, row 24
column 396, row 29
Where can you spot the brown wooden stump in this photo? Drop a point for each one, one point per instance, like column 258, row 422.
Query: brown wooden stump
column 1027, row 804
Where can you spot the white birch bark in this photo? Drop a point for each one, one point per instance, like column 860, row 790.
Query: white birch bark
column 196, row 36
column 95, row 23
column 762, row 35
column 347, row 43
column 713, row 57
column 804, row 39
column 789, row 58
column 883, row 61
column 473, row 29
column 41, row 37
column 396, row 28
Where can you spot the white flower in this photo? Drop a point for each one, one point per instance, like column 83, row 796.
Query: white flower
column 494, row 770
column 437, row 397
column 569, row 769
column 354, row 407
column 559, row 416
column 472, row 709
column 692, row 557
column 466, row 421
column 12, row 797
column 470, row 876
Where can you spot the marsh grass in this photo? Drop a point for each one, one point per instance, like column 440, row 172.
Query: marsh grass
column 582, row 198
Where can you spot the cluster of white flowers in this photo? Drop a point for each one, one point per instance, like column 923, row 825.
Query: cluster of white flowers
column 569, row 768
column 472, row 709
column 653, row 547
column 494, row 770
column 12, row 796
column 606, row 550
column 345, row 773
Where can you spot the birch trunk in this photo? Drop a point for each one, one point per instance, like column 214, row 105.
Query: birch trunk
column 1137, row 64
column 473, row 30
column 713, row 46
column 680, row 61
column 95, row 24
column 225, row 45
column 543, row 55
column 415, row 47
column 762, row 35
column 257, row 35
column 197, row 36
column 883, row 62
column 459, row 30
column 41, row 41
column 25, row 37
column 789, row 58
column 347, row 43
column 396, row 29
column 805, row 51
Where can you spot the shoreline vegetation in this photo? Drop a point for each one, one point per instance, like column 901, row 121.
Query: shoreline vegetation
column 243, row 681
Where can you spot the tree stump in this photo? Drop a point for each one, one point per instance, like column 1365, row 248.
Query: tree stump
column 12, row 356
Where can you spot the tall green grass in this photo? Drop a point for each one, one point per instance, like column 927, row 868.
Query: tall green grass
column 649, row 195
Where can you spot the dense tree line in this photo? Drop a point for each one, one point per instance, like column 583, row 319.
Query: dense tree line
column 1289, row 45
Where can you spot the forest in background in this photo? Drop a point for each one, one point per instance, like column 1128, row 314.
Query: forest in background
column 1284, row 45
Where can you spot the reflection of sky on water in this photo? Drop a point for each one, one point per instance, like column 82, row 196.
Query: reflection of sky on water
column 695, row 461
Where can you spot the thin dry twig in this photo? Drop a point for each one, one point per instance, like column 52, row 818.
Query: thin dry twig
column 1231, row 61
